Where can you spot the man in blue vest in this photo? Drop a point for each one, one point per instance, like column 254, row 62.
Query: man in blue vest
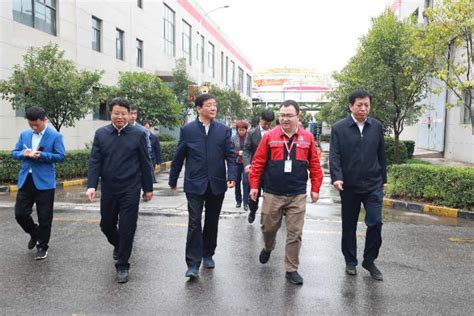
column 39, row 149
column 206, row 146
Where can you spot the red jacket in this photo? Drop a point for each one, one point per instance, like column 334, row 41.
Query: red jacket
column 269, row 161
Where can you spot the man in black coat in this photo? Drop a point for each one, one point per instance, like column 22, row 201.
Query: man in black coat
column 206, row 146
column 358, row 172
column 250, row 147
column 121, row 160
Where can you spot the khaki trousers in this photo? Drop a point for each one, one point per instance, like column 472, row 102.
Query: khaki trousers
column 293, row 208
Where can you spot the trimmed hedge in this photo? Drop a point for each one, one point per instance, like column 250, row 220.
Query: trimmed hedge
column 410, row 145
column 447, row 186
column 75, row 165
column 390, row 154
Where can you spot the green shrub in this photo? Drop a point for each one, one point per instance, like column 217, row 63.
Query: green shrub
column 325, row 138
column 417, row 162
column 163, row 137
column 390, row 151
column 410, row 145
column 167, row 150
column 8, row 167
column 447, row 186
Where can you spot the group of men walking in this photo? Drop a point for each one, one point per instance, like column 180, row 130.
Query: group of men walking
column 280, row 161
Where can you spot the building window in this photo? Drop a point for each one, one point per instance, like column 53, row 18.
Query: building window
column 119, row 45
column 140, row 4
column 169, row 31
column 241, row 80
column 232, row 68
column 96, row 33
column 186, row 42
column 468, row 106
column 249, row 85
column 210, row 60
column 222, row 66
column 40, row 14
column 139, row 53
column 227, row 77
column 101, row 113
column 202, row 53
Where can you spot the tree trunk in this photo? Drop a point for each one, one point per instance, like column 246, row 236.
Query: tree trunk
column 396, row 147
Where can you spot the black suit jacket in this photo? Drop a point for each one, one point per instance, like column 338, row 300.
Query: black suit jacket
column 120, row 160
column 251, row 143
column 205, row 157
column 358, row 159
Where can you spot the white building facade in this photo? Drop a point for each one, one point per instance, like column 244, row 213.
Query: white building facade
column 440, row 129
column 117, row 36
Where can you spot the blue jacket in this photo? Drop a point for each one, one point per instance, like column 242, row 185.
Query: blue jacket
column 205, row 158
column 43, row 169
column 120, row 160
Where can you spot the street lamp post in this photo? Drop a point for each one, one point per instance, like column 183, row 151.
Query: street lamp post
column 201, row 64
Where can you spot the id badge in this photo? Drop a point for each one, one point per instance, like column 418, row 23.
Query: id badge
column 288, row 165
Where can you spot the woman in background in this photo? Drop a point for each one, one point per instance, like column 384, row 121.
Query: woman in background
column 239, row 140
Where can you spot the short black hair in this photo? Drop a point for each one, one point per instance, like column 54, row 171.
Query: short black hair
column 145, row 122
column 133, row 107
column 359, row 94
column 203, row 98
column 35, row 113
column 120, row 102
column 267, row 115
column 292, row 103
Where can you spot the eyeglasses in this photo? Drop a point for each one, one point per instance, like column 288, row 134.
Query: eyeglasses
column 288, row 115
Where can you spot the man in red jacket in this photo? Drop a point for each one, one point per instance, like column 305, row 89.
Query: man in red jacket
column 284, row 157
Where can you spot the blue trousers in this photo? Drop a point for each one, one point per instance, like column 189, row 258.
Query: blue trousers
column 242, row 177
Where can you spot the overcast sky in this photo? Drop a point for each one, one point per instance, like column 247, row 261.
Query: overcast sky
column 315, row 34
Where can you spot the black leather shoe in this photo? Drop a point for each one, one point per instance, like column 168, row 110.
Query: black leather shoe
column 122, row 276
column 246, row 207
column 237, row 205
column 41, row 254
column 294, row 277
column 251, row 217
column 208, row 263
column 264, row 256
column 374, row 272
column 115, row 254
column 32, row 243
column 351, row 270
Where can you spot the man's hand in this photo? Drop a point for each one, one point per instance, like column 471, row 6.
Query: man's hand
column 384, row 186
column 90, row 194
column 147, row 196
column 230, row 184
column 27, row 152
column 35, row 154
column 314, row 197
column 338, row 185
column 241, row 152
column 247, row 168
column 253, row 194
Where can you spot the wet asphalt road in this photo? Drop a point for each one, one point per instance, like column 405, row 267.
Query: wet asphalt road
column 427, row 264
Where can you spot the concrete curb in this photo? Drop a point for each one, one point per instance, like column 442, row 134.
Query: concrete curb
column 427, row 209
column 79, row 182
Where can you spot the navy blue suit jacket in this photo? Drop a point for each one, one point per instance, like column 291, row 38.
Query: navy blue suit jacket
column 120, row 160
column 205, row 157
column 43, row 169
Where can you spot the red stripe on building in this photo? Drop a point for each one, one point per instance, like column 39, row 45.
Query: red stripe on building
column 306, row 88
column 395, row 5
column 197, row 15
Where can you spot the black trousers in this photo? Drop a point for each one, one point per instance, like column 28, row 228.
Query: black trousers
column 202, row 242
column 121, row 209
column 44, row 199
column 253, row 205
column 351, row 203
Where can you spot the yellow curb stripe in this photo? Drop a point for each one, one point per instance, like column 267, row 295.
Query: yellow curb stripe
column 461, row 240
column 13, row 188
column 73, row 183
column 157, row 168
column 440, row 211
column 388, row 203
column 168, row 164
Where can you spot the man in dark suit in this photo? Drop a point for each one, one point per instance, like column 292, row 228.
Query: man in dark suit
column 155, row 145
column 39, row 149
column 250, row 147
column 205, row 145
column 120, row 158
column 358, row 172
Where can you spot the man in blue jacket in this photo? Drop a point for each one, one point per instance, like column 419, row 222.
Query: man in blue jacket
column 206, row 145
column 121, row 160
column 39, row 148
column 359, row 173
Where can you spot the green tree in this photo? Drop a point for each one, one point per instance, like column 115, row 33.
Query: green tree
column 49, row 80
column 446, row 40
column 180, row 86
column 387, row 67
column 231, row 106
column 154, row 99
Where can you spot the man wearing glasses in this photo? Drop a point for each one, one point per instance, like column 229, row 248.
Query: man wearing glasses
column 284, row 157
